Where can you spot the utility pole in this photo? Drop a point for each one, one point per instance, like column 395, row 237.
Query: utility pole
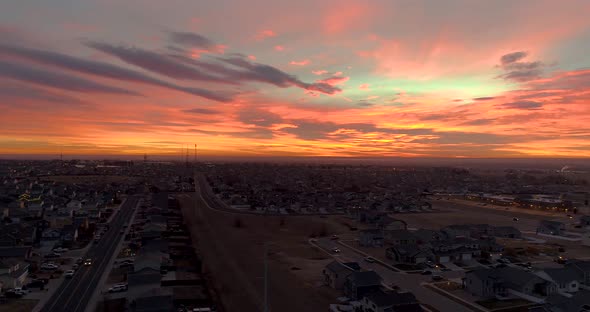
column 266, row 277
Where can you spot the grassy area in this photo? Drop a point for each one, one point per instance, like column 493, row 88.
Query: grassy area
column 500, row 304
column 18, row 305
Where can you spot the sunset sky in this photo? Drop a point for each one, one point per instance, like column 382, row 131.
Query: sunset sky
column 452, row 78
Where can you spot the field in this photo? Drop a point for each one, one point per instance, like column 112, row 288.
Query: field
column 232, row 248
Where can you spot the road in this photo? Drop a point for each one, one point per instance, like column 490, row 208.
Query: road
column 74, row 294
column 411, row 282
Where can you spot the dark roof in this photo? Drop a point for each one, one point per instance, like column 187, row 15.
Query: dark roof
column 365, row 278
column 401, row 234
column 583, row 265
column 511, row 277
column 337, row 267
column 563, row 275
column 144, row 276
column 161, row 303
column 14, row 252
column 561, row 303
column 386, row 299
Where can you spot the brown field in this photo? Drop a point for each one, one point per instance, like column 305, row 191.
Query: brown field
column 232, row 248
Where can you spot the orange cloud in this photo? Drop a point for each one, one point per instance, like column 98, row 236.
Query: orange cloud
column 300, row 63
column 264, row 34
column 364, row 86
column 279, row 48
column 319, row 72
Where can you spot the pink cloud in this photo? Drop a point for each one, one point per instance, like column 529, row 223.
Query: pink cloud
column 252, row 57
column 279, row 48
column 339, row 73
column 319, row 72
column 346, row 17
column 264, row 34
column 364, row 86
column 300, row 63
column 334, row 80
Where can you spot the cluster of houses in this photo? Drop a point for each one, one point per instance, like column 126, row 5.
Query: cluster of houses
column 165, row 271
column 303, row 189
column 558, row 289
column 454, row 243
column 365, row 290
column 38, row 217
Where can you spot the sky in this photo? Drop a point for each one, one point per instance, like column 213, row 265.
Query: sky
column 392, row 78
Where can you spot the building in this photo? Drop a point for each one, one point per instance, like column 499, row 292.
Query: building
column 565, row 279
column 411, row 254
column 487, row 283
column 381, row 301
column 551, row 227
column 399, row 237
column 359, row 284
column 371, row 238
column 335, row 274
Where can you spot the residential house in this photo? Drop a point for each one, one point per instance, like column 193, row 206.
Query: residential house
column 387, row 223
column 335, row 274
column 487, row 283
column 565, row 279
column 399, row 237
column 19, row 252
column 13, row 273
column 426, row 236
column 551, row 227
column 579, row 301
column 583, row 269
column 457, row 231
column 411, row 254
column 506, row 232
column 371, row 238
column 359, row 284
column 381, row 301
column 585, row 221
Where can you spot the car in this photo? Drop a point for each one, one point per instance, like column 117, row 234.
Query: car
column 69, row 273
column 75, row 266
column 88, row 262
column 504, row 260
column 370, row 259
column 36, row 283
column 313, row 240
column 335, row 250
column 122, row 232
column 60, row 250
column 515, row 219
column 570, row 216
column 49, row 266
column 430, row 264
column 501, row 265
column 437, row 278
column 560, row 260
column 577, row 226
column 53, row 255
column 12, row 294
column 118, row 288
column 79, row 261
column 334, row 237
column 426, row 272
column 561, row 249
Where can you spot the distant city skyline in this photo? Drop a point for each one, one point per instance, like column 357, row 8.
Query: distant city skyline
column 456, row 79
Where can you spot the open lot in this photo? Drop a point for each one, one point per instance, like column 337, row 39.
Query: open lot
column 232, row 248
column 462, row 212
column 18, row 305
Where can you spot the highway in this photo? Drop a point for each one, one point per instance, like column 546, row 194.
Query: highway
column 74, row 294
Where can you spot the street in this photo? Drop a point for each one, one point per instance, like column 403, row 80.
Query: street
column 410, row 282
column 74, row 294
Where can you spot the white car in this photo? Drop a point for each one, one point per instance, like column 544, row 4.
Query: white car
column 88, row 262
column 49, row 266
column 118, row 288
column 370, row 259
column 69, row 273
column 335, row 250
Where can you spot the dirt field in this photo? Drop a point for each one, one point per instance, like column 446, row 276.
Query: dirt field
column 232, row 248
